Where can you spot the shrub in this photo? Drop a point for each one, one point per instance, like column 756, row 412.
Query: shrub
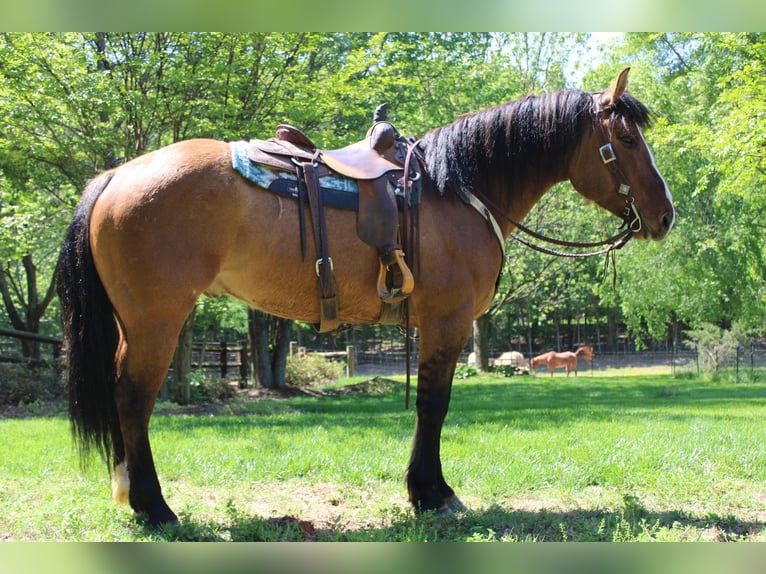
column 205, row 388
column 463, row 371
column 302, row 371
column 510, row 370
column 25, row 383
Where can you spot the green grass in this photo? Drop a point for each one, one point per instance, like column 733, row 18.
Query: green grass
column 620, row 457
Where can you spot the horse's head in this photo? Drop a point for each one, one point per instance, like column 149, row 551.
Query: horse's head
column 614, row 167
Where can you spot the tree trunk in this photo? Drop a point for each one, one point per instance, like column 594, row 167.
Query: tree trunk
column 270, row 341
column 481, row 328
column 611, row 332
column 258, row 329
column 281, row 349
column 33, row 308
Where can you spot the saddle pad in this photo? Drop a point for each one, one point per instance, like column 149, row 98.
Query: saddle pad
column 339, row 192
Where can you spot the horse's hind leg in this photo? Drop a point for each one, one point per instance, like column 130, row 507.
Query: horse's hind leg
column 143, row 359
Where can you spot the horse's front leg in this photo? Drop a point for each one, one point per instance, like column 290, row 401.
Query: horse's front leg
column 440, row 347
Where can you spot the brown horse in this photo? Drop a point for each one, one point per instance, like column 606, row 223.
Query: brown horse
column 567, row 359
column 151, row 236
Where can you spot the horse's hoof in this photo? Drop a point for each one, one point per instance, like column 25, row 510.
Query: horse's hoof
column 455, row 504
column 169, row 521
column 451, row 506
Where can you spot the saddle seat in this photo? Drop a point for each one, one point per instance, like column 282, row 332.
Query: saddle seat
column 377, row 165
column 370, row 158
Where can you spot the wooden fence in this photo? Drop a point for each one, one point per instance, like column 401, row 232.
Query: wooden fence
column 227, row 358
column 15, row 356
column 222, row 358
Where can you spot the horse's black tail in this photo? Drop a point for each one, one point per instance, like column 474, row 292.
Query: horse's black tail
column 90, row 332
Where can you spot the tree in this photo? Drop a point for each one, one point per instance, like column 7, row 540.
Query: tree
column 48, row 146
column 708, row 92
column 75, row 104
column 271, row 342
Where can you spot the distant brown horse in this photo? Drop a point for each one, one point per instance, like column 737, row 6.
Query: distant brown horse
column 151, row 236
column 567, row 359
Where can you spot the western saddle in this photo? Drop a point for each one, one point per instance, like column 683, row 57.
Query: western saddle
column 383, row 167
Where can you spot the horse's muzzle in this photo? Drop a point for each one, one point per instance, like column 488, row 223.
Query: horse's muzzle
column 664, row 224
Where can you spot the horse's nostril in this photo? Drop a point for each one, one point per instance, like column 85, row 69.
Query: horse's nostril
column 667, row 221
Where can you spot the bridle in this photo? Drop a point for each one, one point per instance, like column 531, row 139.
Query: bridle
column 631, row 219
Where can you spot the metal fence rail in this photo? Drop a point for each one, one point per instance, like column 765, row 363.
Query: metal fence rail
column 739, row 363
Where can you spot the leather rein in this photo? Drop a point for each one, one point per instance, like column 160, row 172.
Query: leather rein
column 631, row 219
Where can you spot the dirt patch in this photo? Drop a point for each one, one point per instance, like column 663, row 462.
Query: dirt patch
column 373, row 386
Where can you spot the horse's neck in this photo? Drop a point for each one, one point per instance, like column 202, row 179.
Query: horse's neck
column 516, row 201
column 585, row 352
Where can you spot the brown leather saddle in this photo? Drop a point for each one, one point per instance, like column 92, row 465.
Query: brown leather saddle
column 384, row 167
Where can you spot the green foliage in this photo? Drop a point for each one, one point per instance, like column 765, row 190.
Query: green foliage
column 205, row 388
column 708, row 92
column 464, row 371
column 311, row 369
column 509, row 370
column 23, row 384
column 219, row 318
column 714, row 345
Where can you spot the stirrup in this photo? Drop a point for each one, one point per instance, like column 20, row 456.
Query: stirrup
column 395, row 280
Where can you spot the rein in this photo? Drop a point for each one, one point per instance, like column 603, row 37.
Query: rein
column 410, row 227
column 631, row 218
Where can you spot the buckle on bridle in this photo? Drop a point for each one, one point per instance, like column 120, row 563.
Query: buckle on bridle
column 607, row 153
column 624, row 189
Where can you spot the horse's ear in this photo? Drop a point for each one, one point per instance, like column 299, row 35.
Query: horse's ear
column 609, row 97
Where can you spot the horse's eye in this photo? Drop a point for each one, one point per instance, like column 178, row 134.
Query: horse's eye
column 629, row 140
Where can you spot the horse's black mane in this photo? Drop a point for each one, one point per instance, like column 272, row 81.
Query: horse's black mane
column 515, row 140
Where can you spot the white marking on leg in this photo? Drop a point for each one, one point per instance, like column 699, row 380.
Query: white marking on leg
column 120, row 483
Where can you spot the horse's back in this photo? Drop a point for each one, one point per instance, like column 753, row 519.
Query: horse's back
column 181, row 221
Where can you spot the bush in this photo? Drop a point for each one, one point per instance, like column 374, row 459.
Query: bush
column 205, row 388
column 25, row 383
column 463, row 371
column 302, row 371
column 510, row 370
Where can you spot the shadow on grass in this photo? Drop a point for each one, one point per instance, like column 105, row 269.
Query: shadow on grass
column 494, row 524
column 532, row 402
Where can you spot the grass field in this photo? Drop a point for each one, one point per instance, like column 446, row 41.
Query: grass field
column 616, row 457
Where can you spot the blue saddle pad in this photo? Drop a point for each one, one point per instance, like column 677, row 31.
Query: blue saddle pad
column 336, row 191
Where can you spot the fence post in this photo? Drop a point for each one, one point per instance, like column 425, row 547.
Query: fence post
column 350, row 362
column 224, row 359
column 244, row 362
column 673, row 358
column 293, row 348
